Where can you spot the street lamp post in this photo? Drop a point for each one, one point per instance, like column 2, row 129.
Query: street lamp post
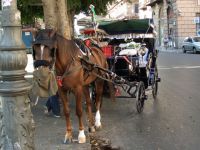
column 16, row 120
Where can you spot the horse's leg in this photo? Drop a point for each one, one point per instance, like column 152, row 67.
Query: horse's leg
column 89, row 109
column 79, row 113
column 99, row 90
column 64, row 99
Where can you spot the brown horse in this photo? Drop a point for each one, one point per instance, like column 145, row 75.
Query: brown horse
column 50, row 48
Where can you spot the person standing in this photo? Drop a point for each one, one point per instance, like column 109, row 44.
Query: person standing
column 170, row 41
column 165, row 41
column 53, row 105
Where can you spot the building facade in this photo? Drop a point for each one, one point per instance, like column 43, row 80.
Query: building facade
column 123, row 9
column 176, row 19
column 144, row 10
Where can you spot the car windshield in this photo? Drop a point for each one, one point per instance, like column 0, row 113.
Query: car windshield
column 196, row 39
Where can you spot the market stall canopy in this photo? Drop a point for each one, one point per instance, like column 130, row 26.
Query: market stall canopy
column 138, row 26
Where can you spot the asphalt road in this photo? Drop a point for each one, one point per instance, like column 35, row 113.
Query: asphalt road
column 171, row 122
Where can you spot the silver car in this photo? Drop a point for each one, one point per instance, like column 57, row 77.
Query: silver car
column 191, row 44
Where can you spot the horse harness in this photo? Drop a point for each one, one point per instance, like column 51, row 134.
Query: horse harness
column 45, row 39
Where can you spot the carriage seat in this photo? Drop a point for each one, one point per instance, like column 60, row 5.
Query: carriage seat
column 142, row 55
column 128, row 52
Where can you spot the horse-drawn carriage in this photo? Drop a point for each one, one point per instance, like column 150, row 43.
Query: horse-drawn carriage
column 133, row 69
column 133, row 62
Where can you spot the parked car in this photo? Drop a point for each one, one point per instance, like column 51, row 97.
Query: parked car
column 191, row 44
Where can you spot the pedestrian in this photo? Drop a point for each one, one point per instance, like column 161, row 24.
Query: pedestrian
column 170, row 41
column 165, row 41
column 53, row 105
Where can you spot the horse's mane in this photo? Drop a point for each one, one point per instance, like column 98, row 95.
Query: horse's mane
column 68, row 46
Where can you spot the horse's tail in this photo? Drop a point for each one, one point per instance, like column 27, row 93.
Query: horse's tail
column 111, row 87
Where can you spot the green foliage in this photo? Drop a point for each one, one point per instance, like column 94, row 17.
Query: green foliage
column 30, row 10
column 83, row 6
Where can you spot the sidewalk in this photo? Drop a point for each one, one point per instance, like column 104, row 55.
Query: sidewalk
column 50, row 131
column 169, row 49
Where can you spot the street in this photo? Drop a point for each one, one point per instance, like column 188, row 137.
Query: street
column 171, row 122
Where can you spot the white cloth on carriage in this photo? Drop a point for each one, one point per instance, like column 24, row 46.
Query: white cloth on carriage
column 128, row 52
column 123, row 45
column 135, row 49
column 131, row 48
column 143, row 59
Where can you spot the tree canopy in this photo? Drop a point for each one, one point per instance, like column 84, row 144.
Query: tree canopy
column 31, row 9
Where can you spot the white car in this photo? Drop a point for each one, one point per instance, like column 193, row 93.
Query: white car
column 191, row 44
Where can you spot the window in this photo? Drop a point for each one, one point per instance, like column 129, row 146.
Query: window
column 190, row 40
column 186, row 40
column 198, row 2
column 196, row 39
column 198, row 23
column 136, row 8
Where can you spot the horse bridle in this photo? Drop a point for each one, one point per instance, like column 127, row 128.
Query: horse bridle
column 49, row 43
column 46, row 41
column 38, row 63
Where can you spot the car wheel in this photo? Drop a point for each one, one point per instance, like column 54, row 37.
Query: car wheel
column 184, row 51
column 194, row 50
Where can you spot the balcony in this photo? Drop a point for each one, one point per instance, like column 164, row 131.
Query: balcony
column 153, row 2
column 143, row 7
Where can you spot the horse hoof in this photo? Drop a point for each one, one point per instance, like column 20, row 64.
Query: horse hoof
column 81, row 137
column 98, row 127
column 92, row 129
column 81, row 140
column 67, row 140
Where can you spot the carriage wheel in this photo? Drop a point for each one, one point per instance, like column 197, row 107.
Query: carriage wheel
column 140, row 97
column 155, row 85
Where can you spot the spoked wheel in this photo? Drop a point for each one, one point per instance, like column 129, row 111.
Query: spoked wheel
column 155, row 85
column 140, row 97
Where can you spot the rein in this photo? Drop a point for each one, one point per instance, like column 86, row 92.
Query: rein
column 68, row 71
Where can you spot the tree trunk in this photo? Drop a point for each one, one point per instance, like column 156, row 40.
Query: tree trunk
column 71, row 22
column 49, row 7
column 63, row 19
column 55, row 15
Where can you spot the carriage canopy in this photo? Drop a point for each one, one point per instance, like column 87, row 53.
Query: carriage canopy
column 138, row 26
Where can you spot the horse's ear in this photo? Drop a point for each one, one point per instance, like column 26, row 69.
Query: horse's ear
column 34, row 32
column 53, row 32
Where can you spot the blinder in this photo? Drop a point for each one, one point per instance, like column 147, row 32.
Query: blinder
column 38, row 63
column 46, row 38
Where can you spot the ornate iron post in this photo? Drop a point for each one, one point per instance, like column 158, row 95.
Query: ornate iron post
column 16, row 120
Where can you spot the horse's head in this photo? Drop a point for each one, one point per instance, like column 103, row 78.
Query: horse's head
column 44, row 48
